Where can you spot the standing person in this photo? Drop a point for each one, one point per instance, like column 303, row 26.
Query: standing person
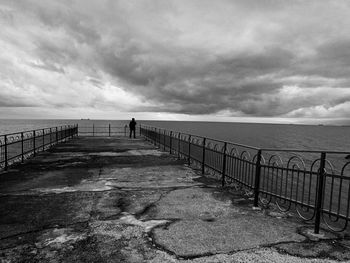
column 132, row 127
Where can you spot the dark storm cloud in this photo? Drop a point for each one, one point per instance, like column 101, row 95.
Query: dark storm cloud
column 245, row 58
column 15, row 102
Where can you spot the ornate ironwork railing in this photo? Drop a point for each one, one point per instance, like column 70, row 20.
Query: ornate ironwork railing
column 316, row 184
column 109, row 130
column 16, row 147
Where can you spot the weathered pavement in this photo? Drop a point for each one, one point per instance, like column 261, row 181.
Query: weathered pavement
column 121, row 200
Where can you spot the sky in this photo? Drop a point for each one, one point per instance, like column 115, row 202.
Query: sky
column 257, row 61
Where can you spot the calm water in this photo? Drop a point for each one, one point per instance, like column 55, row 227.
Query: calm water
column 260, row 135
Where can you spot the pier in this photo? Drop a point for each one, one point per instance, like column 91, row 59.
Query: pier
column 115, row 199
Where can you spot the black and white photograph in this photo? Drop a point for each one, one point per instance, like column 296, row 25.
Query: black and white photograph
column 175, row 131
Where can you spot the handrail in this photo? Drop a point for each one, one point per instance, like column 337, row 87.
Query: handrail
column 109, row 130
column 208, row 138
column 25, row 131
column 317, row 188
column 17, row 146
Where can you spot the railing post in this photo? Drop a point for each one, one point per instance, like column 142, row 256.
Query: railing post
column 155, row 137
column 22, row 147
column 257, row 179
column 50, row 137
column 93, row 129
column 178, row 146
column 34, row 142
column 164, row 141
column 170, row 143
column 189, row 150
column 109, row 130
column 224, row 166
column 6, row 157
column 203, row 154
column 64, row 133
column 319, row 193
column 140, row 130
column 159, row 138
column 43, row 140
column 56, row 135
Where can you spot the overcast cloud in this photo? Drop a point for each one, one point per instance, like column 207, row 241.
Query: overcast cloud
column 264, row 59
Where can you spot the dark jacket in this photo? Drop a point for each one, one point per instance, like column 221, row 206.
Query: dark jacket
column 132, row 125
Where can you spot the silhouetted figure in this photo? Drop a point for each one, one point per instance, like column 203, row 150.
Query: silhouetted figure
column 132, row 127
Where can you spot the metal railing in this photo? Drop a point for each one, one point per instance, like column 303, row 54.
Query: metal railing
column 314, row 183
column 109, row 130
column 16, row 147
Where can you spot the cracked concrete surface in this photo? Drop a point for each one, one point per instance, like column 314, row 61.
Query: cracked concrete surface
column 121, row 200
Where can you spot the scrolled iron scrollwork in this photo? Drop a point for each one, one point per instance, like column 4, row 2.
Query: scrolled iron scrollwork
column 245, row 155
column 276, row 161
column 334, row 224
column 13, row 138
column 209, row 145
column 296, row 163
column 195, row 141
column 273, row 161
column 234, row 152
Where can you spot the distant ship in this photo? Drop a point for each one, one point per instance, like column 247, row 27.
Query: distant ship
column 84, row 119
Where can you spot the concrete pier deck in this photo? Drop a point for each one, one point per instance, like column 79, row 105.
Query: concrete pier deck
column 120, row 200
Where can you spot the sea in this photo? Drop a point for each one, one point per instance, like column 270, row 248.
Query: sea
column 261, row 135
